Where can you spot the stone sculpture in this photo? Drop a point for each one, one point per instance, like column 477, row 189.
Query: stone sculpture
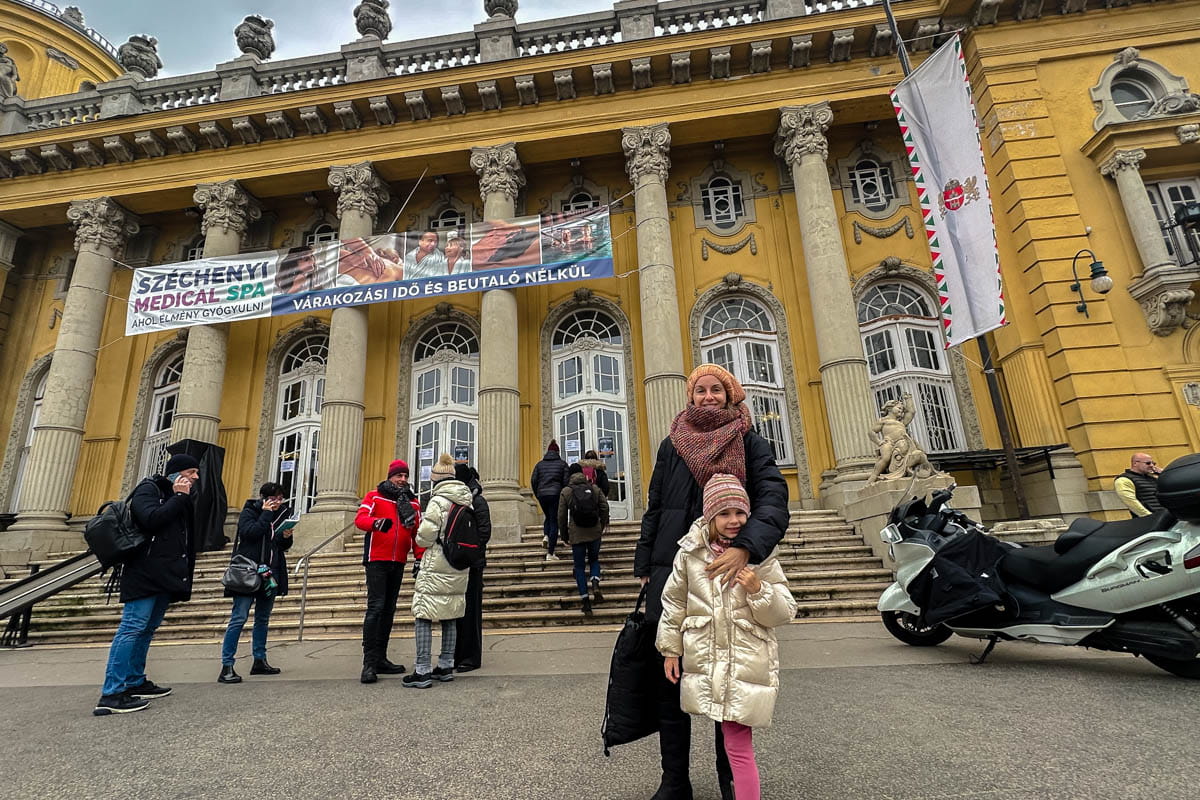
column 371, row 18
column 140, row 55
column 254, row 36
column 899, row 455
column 8, row 74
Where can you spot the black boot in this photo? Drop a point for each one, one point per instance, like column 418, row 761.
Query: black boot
column 727, row 791
column 261, row 667
column 368, row 674
column 228, row 675
column 587, row 605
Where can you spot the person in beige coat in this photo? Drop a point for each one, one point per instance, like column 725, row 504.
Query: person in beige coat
column 724, row 633
column 440, row 590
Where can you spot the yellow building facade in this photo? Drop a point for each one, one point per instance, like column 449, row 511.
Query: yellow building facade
column 762, row 213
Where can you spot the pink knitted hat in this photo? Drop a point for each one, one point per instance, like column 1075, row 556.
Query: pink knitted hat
column 721, row 492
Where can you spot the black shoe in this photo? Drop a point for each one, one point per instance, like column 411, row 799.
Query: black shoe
column 727, row 791
column 418, row 681
column 148, row 690
column 466, row 668
column 368, row 674
column 261, row 667
column 228, row 675
column 444, row 675
column 118, row 704
column 596, row 590
column 388, row 668
column 669, row 792
column 587, row 605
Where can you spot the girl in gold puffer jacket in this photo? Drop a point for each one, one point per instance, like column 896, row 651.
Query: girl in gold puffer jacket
column 724, row 633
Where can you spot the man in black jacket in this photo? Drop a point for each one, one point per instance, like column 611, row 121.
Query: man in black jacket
column 547, row 482
column 162, row 508
column 468, row 647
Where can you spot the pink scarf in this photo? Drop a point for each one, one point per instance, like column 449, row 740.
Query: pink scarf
column 710, row 440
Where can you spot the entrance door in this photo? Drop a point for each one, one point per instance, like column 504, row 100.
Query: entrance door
column 297, row 435
column 445, row 409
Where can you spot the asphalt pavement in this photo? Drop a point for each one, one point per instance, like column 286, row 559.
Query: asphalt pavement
column 859, row 716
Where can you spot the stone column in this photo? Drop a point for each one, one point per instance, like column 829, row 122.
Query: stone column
column 228, row 212
column 845, row 382
column 1163, row 289
column 648, row 162
column 101, row 229
column 361, row 193
column 499, row 432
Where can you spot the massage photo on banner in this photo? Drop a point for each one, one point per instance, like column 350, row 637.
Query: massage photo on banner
column 494, row 254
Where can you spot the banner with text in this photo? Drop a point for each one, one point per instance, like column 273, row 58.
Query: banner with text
column 496, row 254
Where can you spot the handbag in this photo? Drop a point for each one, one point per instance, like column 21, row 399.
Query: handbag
column 242, row 575
column 631, row 707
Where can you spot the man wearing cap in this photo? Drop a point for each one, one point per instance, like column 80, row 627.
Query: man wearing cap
column 161, row 507
column 389, row 515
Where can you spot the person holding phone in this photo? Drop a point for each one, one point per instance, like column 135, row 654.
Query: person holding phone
column 263, row 536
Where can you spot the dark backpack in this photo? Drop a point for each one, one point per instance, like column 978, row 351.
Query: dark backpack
column 585, row 505
column 113, row 535
column 460, row 542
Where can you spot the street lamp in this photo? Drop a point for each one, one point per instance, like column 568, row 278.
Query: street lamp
column 1101, row 282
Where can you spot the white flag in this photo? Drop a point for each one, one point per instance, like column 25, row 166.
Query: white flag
column 941, row 136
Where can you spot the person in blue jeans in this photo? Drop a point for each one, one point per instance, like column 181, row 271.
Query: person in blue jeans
column 547, row 482
column 582, row 518
column 161, row 574
column 260, row 537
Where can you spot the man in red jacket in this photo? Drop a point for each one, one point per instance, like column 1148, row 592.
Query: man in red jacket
column 390, row 515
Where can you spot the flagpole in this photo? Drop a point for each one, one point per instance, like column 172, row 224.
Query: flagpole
column 985, row 352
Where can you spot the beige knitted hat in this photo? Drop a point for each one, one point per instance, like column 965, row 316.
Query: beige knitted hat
column 444, row 468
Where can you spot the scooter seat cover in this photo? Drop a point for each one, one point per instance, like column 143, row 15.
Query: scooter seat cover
column 1079, row 530
column 1043, row 568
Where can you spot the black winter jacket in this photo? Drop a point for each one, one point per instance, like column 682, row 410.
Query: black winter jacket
column 676, row 500
column 549, row 475
column 483, row 517
column 169, row 560
column 256, row 528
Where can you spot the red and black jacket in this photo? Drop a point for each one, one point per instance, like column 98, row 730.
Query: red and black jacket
column 393, row 544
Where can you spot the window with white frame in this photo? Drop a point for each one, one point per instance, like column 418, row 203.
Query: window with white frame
column 297, row 431
column 1133, row 87
column 445, row 403
column 721, row 201
column 1167, row 197
column 163, row 401
column 590, row 399
column 739, row 334
column 35, row 412
column 1134, row 93
column 449, row 219
column 902, row 340
column 580, row 201
column 322, row 233
column 195, row 250
column 871, row 185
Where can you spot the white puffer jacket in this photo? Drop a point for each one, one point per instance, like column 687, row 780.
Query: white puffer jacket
column 440, row 591
column 730, row 653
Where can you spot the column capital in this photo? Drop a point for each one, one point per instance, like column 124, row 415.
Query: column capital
column 499, row 170
column 1122, row 160
column 802, row 132
column 226, row 205
column 100, row 221
column 647, row 151
column 359, row 188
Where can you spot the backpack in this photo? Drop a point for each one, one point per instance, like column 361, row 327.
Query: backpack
column 112, row 535
column 585, row 507
column 460, row 541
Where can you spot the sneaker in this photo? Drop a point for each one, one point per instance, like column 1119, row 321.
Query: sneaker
column 118, row 704
column 388, row 668
column 551, row 557
column 417, row 680
column 444, row 675
column 545, row 542
column 596, row 590
column 148, row 690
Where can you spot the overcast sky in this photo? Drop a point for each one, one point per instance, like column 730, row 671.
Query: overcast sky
column 194, row 35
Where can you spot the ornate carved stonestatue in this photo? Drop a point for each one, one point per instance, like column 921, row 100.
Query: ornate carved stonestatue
column 254, row 36
column 226, row 205
column 647, row 151
column 899, row 455
column 8, row 74
column 802, row 132
column 359, row 188
column 101, row 222
column 1173, row 103
column 499, row 170
column 500, row 8
column 140, row 55
column 73, row 15
column 371, row 18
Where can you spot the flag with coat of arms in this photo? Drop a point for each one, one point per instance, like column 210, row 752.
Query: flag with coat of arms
column 941, row 136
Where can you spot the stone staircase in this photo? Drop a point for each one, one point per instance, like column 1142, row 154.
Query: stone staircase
column 832, row 574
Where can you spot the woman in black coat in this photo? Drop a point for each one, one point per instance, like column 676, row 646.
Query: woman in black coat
column 261, row 539
column 712, row 434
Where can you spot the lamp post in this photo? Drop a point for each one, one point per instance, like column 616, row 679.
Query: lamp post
column 1101, row 282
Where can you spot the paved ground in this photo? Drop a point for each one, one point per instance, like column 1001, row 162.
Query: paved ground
column 860, row 716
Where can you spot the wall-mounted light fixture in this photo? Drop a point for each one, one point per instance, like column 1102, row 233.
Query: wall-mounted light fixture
column 1101, row 282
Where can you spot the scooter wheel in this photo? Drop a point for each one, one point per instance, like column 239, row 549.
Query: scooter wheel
column 906, row 628
column 1183, row 668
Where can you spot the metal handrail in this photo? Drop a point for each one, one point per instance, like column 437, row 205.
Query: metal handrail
column 304, row 562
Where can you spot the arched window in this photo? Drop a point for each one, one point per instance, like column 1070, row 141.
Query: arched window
column 162, row 413
column 445, row 403
column 871, row 185
column 590, row 397
column 195, row 250
column 739, row 334
column 1133, row 87
column 1133, row 93
column 721, row 200
column 580, row 201
column 297, row 429
column 905, row 352
column 449, row 219
column 322, row 233
column 27, row 444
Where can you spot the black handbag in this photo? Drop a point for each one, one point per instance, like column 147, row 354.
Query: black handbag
column 631, row 707
column 242, row 575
